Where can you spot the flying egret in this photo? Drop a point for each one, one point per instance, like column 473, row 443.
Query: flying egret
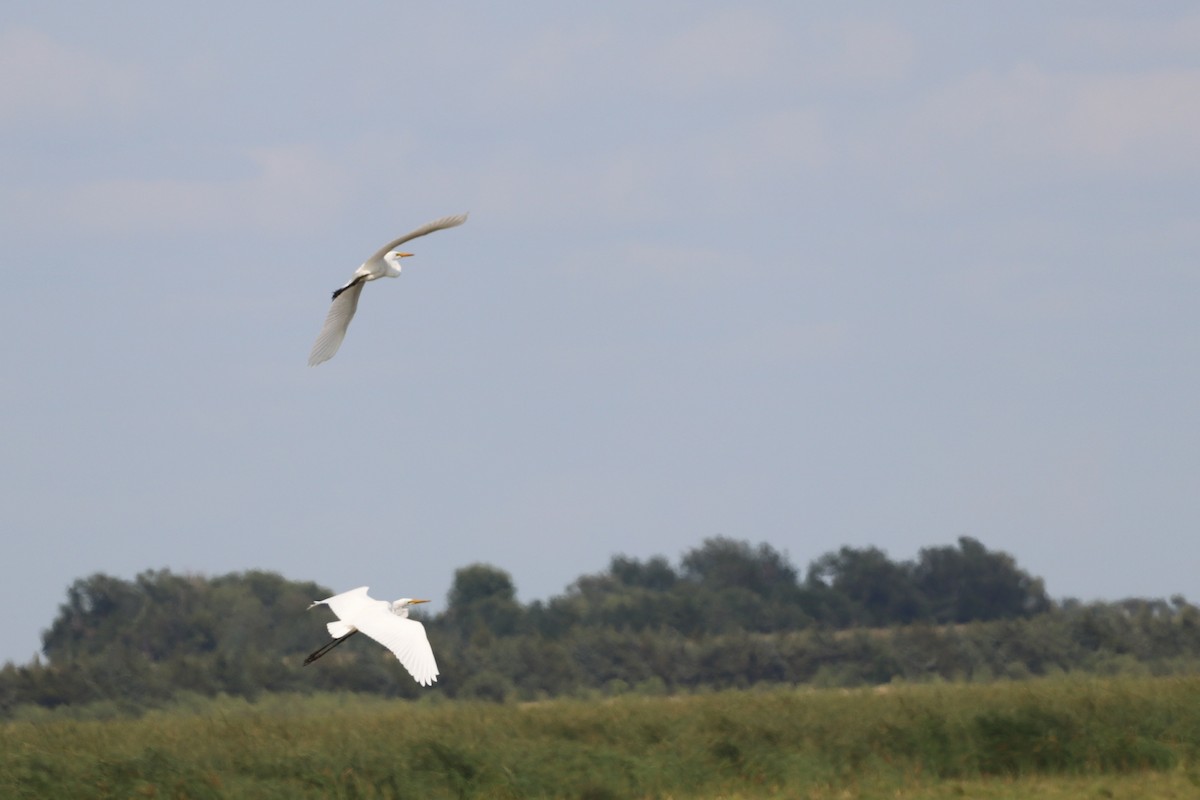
column 386, row 623
column 385, row 263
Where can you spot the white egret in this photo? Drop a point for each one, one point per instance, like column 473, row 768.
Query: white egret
column 385, row 263
column 386, row 623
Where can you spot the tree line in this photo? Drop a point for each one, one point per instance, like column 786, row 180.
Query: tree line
column 729, row 615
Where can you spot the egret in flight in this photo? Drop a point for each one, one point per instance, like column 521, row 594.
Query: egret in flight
column 386, row 623
column 385, row 263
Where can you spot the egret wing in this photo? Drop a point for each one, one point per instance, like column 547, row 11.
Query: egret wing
column 336, row 322
column 436, row 225
column 404, row 637
column 351, row 603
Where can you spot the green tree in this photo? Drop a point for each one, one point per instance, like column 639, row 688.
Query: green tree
column 482, row 601
column 655, row 574
column 970, row 583
column 722, row 563
column 874, row 589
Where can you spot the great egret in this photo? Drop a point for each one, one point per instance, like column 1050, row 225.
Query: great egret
column 385, row 263
column 386, row 623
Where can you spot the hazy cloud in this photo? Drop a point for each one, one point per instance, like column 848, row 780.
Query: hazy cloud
column 1143, row 122
column 287, row 187
column 549, row 65
column 1152, row 39
column 43, row 80
column 763, row 145
column 866, row 53
column 725, row 48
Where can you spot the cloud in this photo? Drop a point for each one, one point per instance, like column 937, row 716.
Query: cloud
column 763, row 145
column 1153, row 118
column 1142, row 123
column 288, row 185
column 616, row 185
column 719, row 167
column 689, row 59
column 780, row 343
column 865, row 53
column 44, row 80
column 729, row 47
column 545, row 67
column 741, row 47
column 1024, row 293
column 672, row 260
column 1134, row 36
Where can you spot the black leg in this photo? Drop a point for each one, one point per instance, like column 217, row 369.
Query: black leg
column 327, row 647
column 336, row 292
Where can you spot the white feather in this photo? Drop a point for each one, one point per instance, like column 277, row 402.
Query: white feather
column 404, row 637
column 381, row 264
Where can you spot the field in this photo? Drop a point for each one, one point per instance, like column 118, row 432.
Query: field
column 1060, row 738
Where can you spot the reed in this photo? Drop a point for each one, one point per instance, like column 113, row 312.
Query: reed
column 893, row 741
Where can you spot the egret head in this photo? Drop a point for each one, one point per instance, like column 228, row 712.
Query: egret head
column 392, row 260
column 401, row 606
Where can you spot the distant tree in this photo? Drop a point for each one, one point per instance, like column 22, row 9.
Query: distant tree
column 483, row 600
column 723, row 586
column 731, row 615
column 98, row 610
column 603, row 600
column 655, row 574
column 479, row 583
column 971, row 583
column 723, row 563
column 143, row 639
column 874, row 590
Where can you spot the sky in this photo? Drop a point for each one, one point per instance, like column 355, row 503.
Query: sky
column 813, row 275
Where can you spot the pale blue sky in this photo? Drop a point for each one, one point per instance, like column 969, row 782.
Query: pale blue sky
column 808, row 275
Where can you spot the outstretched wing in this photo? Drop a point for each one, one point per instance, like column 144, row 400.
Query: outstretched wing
column 336, row 323
column 348, row 604
column 436, row 225
column 404, row 637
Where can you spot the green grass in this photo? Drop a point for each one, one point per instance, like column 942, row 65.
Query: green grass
column 1051, row 738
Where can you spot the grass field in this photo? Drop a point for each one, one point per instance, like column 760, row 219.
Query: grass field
column 1061, row 738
